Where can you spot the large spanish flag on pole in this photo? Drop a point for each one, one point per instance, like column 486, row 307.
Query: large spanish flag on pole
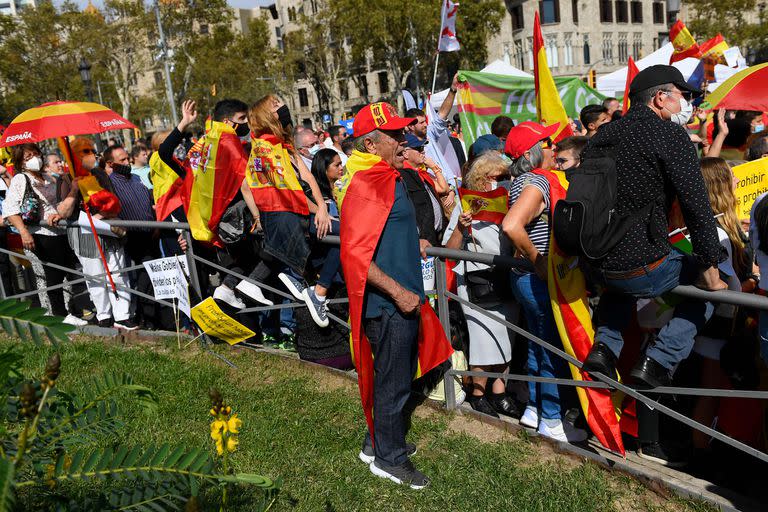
column 568, row 295
column 218, row 165
column 549, row 106
column 365, row 202
column 632, row 71
column 684, row 43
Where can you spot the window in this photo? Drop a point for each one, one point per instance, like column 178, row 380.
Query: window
column 383, row 82
column 549, row 10
column 519, row 55
column 291, row 14
column 303, row 98
column 622, row 11
column 575, row 11
column 568, row 51
column 587, row 57
column 530, row 53
column 637, row 45
column 608, row 48
column 637, row 11
column 661, row 39
column 343, row 90
column 550, row 44
column 658, row 12
column 606, row 11
column 158, row 78
column 363, row 81
column 204, row 29
column 517, row 17
column 623, row 47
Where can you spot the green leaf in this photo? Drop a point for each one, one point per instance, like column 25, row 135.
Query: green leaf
column 174, row 457
column 90, row 463
column 7, row 498
column 17, row 318
column 161, row 454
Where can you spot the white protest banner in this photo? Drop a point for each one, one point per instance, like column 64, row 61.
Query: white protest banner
column 182, row 289
column 164, row 276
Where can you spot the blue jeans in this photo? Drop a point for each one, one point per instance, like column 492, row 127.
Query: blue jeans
column 326, row 257
column 394, row 343
column 532, row 294
column 617, row 305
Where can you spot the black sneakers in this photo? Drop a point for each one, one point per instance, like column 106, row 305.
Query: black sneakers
column 668, row 456
column 367, row 455
column 481, row 404
column 405, row 473
column 126, row 325
column 504, row 404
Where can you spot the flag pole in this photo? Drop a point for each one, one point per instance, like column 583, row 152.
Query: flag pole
column 434, row 75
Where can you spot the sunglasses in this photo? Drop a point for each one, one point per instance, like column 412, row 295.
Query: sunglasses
column 546, row 144
column 686, row 95
column 88, row 151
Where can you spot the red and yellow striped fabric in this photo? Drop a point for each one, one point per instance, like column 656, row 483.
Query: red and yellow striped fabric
column 684, row 43
column 167, row 187
column 486, row 206
column 61, row 118
column 745, row 90
column 549, row 106
column 272, row 177
column 632, row 71
column 714, row 49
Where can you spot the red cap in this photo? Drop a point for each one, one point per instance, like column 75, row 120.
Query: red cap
column 524, row 136
column 378, row 116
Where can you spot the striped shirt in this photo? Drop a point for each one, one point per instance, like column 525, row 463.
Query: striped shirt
column 135, row 198
column 538, row 229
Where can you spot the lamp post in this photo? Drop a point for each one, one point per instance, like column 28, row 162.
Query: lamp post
column 673, row 7
column 85, row 75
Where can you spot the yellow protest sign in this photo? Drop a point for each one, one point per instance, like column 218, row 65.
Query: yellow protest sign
column 753, row 181
column 212, row 320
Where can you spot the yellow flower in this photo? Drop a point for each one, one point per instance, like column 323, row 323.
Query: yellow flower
column 213, row 412
column 234, row 423
column 217, row 428
column 220, row 446
column 232, row 444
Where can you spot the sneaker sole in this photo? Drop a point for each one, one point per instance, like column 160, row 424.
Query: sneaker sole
column 290, row 286
column 368, row 459
column 383, row 474
column 260, row 300
column 528, row 425
column 311, row 307
column 660, row 461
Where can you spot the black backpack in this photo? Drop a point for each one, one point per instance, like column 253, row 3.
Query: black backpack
column 586, row 222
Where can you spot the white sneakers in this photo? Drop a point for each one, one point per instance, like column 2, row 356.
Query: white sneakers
column 226, row 294
column 254, row 292
column 558, row 430
column 73, row 320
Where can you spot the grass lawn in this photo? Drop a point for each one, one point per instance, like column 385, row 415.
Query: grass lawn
column 305, row 425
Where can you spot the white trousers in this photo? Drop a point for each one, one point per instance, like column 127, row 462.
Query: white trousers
column 101, row 292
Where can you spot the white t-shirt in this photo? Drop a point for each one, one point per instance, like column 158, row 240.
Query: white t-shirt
column 45, row 190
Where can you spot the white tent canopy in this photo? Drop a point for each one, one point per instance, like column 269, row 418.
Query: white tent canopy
column 497, row 67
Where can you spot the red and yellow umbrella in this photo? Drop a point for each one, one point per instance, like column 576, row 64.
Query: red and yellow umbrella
column 745, row 90
column 60, row 119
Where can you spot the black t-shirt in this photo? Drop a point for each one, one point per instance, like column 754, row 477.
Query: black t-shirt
column 425, row 213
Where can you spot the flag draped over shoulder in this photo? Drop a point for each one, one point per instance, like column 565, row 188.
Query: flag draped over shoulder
column 368, row 193
column 218, row 164
column 684, row 43
column 549, row 106
column 632, row 71
column 567, row 292
column 272, row 178
column 486, row 206
column 167, row 187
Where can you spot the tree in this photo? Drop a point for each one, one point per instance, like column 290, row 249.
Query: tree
column 741, row 22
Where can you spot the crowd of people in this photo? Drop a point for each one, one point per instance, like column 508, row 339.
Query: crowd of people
column 279, row 189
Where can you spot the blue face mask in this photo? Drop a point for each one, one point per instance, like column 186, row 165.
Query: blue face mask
column 758, row 128
column 506, row 159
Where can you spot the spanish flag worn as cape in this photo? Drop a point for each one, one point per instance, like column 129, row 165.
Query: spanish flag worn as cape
column 486, row 206
column 218, row 164
column 272, row 177
column 567, row 293
column 365, row 202
column 167, row 187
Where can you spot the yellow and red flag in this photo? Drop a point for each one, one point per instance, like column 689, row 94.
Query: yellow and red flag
column 549, row 106
column 714, row 48
column 745, row 90
column 218, row 165
column 272, row 177
column 486, row 206
column 631, row 72
column 167, row 188
column 684, row 43
column 369, row 194
column 568, row 295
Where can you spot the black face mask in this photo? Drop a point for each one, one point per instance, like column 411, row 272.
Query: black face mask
column 123, row 169
column 241, row 129
column 284, row 116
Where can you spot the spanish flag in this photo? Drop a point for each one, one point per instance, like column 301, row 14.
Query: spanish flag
column 568, row 295
column 369, row 193
column 714, row 49
column 486, row 206
column 272, row 177
column 102, row 201
column 684, row 43
column 631, row 72
column 549, row 106
column 218, row 165
column 167, row 187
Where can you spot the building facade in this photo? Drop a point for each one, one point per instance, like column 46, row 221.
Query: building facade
column 12, row 7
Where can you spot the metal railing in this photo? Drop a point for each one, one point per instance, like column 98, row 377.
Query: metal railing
column 442, row 298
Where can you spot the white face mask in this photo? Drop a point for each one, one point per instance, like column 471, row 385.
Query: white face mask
column 34, row 164
column 314, row 149
column 494, row 185
column 681, row 118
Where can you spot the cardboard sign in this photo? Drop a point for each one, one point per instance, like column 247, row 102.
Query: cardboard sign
column 164, row 276
column 213, row 321
column 182, row 290
column 753, row 181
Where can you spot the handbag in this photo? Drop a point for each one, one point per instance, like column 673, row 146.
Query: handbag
column 485, row 286
column 29, row 210
column 235, row 223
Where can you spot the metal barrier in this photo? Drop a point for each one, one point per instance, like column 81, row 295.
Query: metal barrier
column 443, row 296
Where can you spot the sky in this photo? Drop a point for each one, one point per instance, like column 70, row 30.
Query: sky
column 233, row 3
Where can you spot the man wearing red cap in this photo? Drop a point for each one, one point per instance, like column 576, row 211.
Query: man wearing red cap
column 380, row 252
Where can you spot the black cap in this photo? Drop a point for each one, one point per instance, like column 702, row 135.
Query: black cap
column 658, row 75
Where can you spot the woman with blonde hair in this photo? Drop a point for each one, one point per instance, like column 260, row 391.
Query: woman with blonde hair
column 272, row 174
column 490, row 343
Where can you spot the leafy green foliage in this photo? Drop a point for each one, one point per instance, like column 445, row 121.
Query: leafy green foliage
column 29, row 323
column 742, row 23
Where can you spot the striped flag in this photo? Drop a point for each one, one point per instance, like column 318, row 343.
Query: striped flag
column 486, row 206
column 549, row 106
column 684, row 43
column 167, row 187
column 631, row 72
column 448, row 41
